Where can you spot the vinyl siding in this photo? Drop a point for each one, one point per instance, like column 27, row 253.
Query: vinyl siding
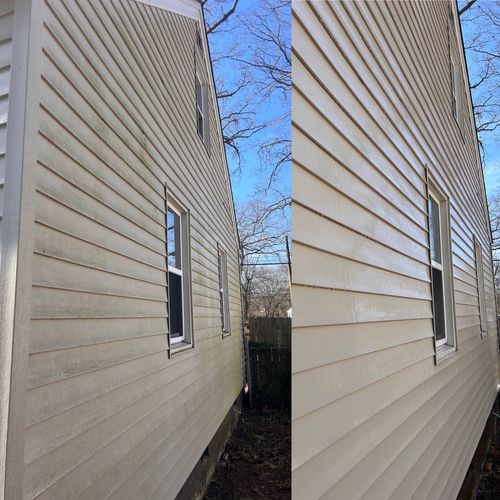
column 6, row 29
column 373, row 415
column 108, row 413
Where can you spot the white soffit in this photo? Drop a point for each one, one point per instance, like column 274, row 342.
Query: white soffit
column 188, row 8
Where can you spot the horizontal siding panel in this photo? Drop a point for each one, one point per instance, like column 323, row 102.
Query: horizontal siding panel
column 58, row 216
column 457, row 423
column 7, row 20
column 350, row 413
column 370, row 188
column 339, row 379
column 323, row 133
column 4, row 81
column 318, row 346
column 148, row 416
column 69, row 248
column 376, row 148
column 371, row 111
column 355, row 436
column 85, row 181
column 396, row 450
column 64, row 303
column 332, row 271
column 105, row 401
column 134, row 101
column 49, row 400
column 5, row 52
column 46, row 368
column 51, row 272
column 6, row 33
column 77, row 201
column 4, row 109
column 320, row 232
column 318, row 196
column 59, row 476
column 337, row 307
column 53, row 334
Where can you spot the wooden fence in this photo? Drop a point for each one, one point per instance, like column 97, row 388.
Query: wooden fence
column 271, row 331
column 269, row 359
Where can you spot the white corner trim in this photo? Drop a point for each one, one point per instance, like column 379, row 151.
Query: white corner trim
column 188, row 8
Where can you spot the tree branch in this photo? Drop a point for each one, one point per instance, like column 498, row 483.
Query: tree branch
column 466, row 7
column 223, row 18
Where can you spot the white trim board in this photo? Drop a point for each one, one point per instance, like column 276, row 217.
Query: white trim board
column 188, row 8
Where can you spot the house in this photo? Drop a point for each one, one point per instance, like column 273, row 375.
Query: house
column 395, row 342
column 120, row 324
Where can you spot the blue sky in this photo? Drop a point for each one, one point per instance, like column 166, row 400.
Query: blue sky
column 247, row 183
column 492, row 170
column 491, row 163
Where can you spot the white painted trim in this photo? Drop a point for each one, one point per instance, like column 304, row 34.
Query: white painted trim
column 187, row 337
column 188, row 8
column 17, row 247
column 449, row 343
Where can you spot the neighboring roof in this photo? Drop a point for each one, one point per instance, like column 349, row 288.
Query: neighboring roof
column 188, row 8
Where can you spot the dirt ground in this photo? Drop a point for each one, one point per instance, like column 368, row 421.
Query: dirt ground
column 489, row 484
column 256, row 462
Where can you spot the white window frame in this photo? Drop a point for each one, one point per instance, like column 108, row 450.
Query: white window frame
column 456, row 104
column 185, row 340
column 481, row 295
column 202, row 109
column 199, row 107
column 199, row 42
column 448, row 344
column 454, row 101
column 438, row 265
column 224, row 293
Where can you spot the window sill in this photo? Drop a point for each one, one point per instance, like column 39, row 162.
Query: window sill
column 225, row 334
column 444, row 352
column 179, row 347
column 484, row 333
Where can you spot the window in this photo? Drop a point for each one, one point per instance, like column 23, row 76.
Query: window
column 455, row 90
column 441, row 273
column 179, row 277
column 202, row 111
column 480, row 287
column 224, row 293
column 199, row 107
column 198, row 37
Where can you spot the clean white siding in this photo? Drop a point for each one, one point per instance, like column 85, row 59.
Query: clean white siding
column 109, row 414
column 6, row 27
column 373, row 416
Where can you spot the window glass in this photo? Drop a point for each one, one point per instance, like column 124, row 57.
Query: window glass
column 173, row 235
column 435, row 230
column 454, row 90
column 480, row 287
column 199, row 107
column 441, row 274
column 176, row 311
column 224, row 292
column 438, row 304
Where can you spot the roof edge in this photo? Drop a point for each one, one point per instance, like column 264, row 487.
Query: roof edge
column 188, row 8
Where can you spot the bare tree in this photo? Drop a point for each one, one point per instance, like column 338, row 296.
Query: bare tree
column 251, row 55
column 494, row 205
column 480, row 21
column 262, row 232
column 218, row 13
column 270, row 293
